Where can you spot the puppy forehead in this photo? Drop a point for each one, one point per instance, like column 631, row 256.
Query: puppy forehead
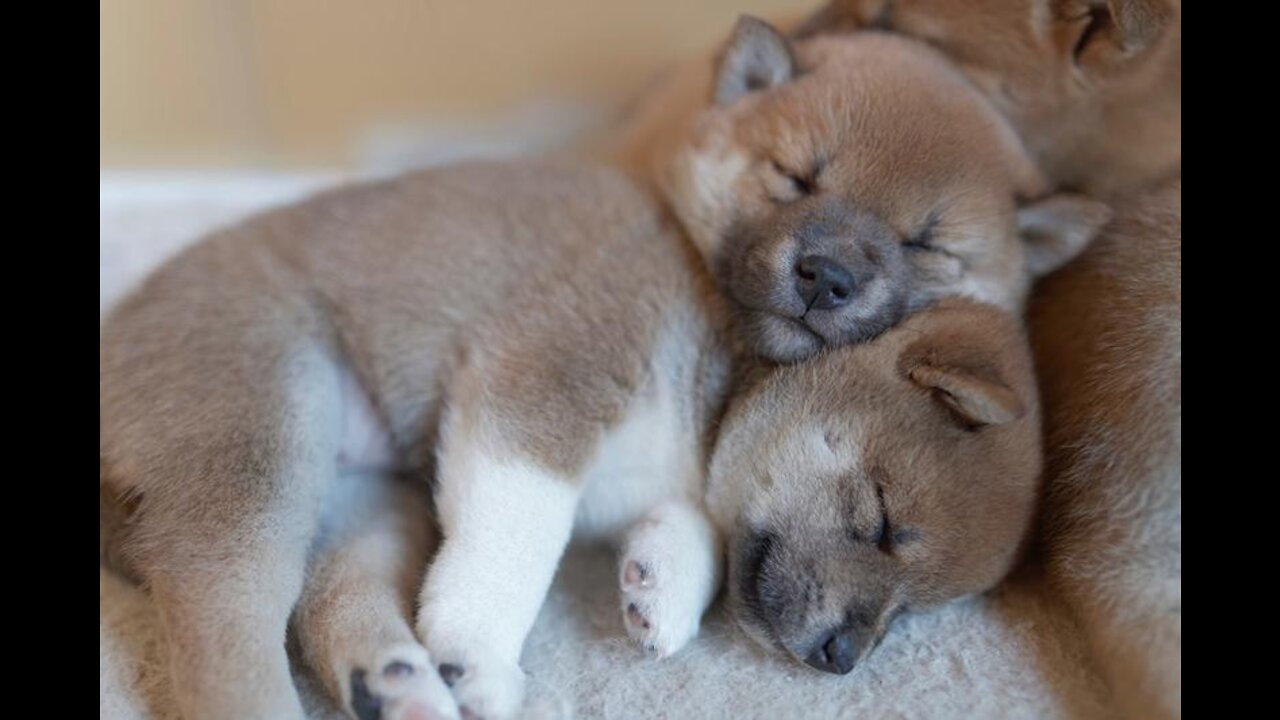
column 877, row 93
column 824, row 426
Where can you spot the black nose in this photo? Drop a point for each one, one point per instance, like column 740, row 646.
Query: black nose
column 822, row 282
column 836, row 654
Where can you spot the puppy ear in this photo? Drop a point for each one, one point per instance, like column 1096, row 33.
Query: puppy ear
column 1108, row 37
column 1054, row 230
column 756, row 58
column 971, row 357
column 977, row 401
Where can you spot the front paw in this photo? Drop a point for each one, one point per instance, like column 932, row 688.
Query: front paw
column 659, row 614
column 485, row 688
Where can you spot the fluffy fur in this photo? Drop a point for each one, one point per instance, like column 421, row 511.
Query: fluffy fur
column 528, row 351
column 1011, row 653
column 1095, row 90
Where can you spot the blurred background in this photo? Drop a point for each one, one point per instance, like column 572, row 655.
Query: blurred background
column 379, row 85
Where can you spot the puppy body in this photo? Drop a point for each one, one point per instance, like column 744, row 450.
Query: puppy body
column 1111, row 376
column 1095, row 90
column 553, row 356
column 546, row 338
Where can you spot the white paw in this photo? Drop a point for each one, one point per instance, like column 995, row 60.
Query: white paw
column 401, row 684
column 660, row 609
column 484, row 687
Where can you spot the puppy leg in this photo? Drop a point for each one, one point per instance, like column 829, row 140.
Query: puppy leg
column 353, row 618
column 506, row 521
column 670, row 571
column 225, row 501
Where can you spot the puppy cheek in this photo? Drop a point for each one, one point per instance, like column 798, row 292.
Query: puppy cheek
column 935, row 266
column 766, row 271
column 704, row 187
column 737, row 485
column 722, row 502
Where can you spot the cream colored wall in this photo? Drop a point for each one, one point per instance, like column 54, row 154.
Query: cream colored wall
column 305, row 83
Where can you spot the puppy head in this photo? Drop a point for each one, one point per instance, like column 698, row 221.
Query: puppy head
column 876, row 480
column 835, row 185
column 1066, row 72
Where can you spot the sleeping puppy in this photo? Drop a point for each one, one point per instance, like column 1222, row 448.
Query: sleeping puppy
column 829, row 207
column 1095, row 90
column 876, row 480
column 544, row 336
column 1094, row 87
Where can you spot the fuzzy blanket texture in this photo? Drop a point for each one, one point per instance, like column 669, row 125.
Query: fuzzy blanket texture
column 1013, row 653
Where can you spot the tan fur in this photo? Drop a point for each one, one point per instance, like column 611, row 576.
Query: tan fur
column 353, row 615
column 877, row 156
column 544, row 330
column 1101, row 113
column 871, row 493
column 1112, row 382
column 216, row 373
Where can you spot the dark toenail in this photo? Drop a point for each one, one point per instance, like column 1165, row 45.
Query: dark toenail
column 397, row 669
column 450, row 673
column 364, row 704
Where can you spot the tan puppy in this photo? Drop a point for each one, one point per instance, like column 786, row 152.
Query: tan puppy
column 819, row 245
column 1108, row 337
column 878, row 479
column 1094, row 87
column 543, row 335
column 1095, row 90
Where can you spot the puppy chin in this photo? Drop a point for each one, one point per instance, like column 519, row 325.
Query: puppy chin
column 782, row 339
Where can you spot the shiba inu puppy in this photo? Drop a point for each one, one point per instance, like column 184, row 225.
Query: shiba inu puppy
column 877, row 479
column 543, row 338
column 827, row 210
column 1093, row 87
column 1107, row 332
column 1095, row 90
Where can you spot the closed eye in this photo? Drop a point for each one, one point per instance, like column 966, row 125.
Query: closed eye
column 888, row 537
column 884, row 532
column 922, row 239
column 804, row 185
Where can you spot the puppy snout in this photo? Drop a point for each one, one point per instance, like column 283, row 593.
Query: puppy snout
column 835, row 653
column 823, row 283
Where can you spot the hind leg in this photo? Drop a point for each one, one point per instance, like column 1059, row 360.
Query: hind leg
column 353, row 618
column 228, row 488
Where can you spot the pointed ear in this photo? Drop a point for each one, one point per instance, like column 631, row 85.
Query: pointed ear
column 756, row 58
column 973, row 358
column 1110, row 36
column 976, row 401
column 1056, row 229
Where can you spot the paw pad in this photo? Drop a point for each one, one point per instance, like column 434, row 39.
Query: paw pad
column 636, row 575
column 636, row 617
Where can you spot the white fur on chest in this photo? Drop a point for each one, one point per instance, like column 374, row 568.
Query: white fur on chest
column 653, row 455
